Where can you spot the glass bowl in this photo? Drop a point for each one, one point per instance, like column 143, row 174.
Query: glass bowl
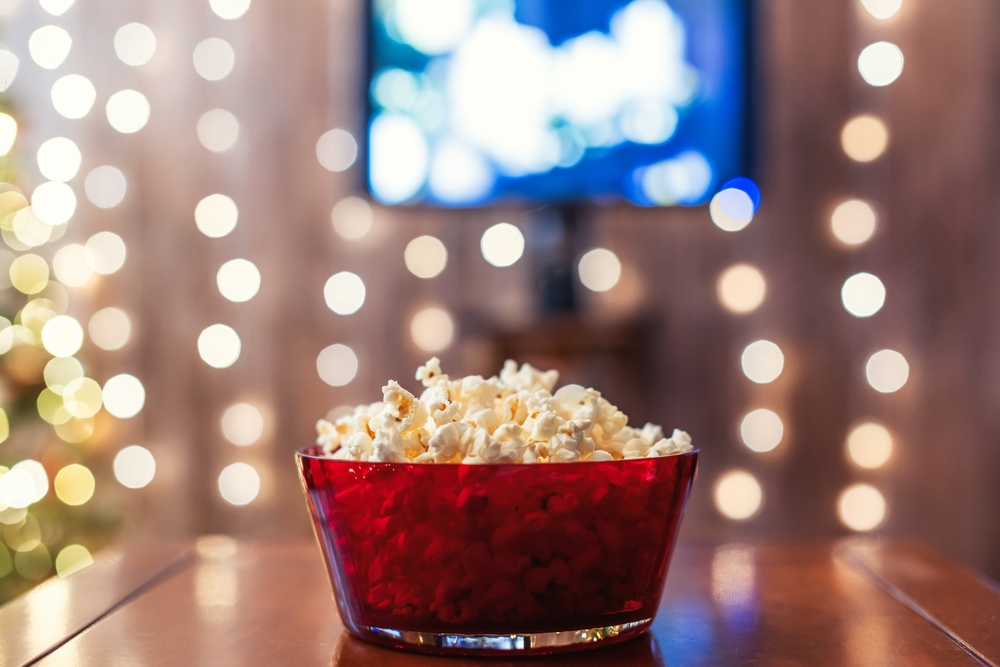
column 494, row 559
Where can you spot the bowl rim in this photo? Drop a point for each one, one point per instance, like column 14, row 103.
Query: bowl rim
column 303, row 454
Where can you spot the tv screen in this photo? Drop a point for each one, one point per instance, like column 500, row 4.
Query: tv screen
column 473, row 102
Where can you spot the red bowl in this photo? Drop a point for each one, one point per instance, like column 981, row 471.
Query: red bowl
column 489, row 559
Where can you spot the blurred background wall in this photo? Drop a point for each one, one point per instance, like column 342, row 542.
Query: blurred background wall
column 660, row 342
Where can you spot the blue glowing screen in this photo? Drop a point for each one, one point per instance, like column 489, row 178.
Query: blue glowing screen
column 477, row 101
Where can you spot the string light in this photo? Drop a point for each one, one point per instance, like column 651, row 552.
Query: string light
column 216, row 215
column 74, row 484
column 58, row 159
column 761, row 430
column 337, row 365
column 53, row 202
column 863, row 295
column 49, row 45
column 344, row 293
column 239, row 484
column 62, row 336
column 887, row 371
column 880, row 63
column 864, row 138
column 238, row 280
column 219, row 346
column 599, row 269
column 738, row 495
column 502, row 244
column 853, row 222
column 425, row 256
column 214, row 59
column 134, row 467
column 869, row 445
column 861, row 507
column 135, row 44
column 741, row 288
column 128, row 111
column 124, row 396
column 73, row 96
column 762, row 361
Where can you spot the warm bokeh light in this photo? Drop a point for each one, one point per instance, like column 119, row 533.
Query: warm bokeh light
column 110, row 329
column 8, row 132
column 9, row 64
column 105, row 252
column 761, row 430
column 863, row 295
column 882, row 9
column 425, row 256
column 58, row 159
column 344, row 293
column 741, row 288
column 216, row 215
column 29, row 229
column 105, row 186
column 762, row 361
column 60, row 372
column 70, row 265
column 135, row 44
column 56, row 7
column 880, row 63
column 71, row 559
column 242, row 424
column 887, row 371
column 73, row 96
column 82, row 399
column 432, row 329
column 853, row 222
column 62, row 336
column 218, row 130
column 53, row 202
column 75, row 430
column 502, row 244
column 17, row 489
column 29, row 274
column 239, row 483
column 337, row 365
column 731, row 209
column 135, row 467
column 738, row 495
column 128, row 111
column 238, row 280
column 124, row 396
column 352, row 218
column 40, row 478
column 214, row 59
column 861, row 507
column 219, row 346
column 336, row 150
column 74, row 484
column 229, row 9
column 869, row 445
column 49, row 46
column 599, row 269
column 864, row 138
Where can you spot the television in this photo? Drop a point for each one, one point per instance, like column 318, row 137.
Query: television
column 476, row 102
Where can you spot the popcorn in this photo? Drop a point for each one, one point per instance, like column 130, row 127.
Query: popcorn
column 511, row 418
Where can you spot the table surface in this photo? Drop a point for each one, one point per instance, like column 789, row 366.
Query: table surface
column 222, row 602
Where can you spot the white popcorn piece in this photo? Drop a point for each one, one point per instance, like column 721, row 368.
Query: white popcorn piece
column 510, row 418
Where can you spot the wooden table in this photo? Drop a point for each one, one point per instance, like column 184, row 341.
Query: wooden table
column 222, row 602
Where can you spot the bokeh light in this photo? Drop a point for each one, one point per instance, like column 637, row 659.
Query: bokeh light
column 336, row 150
column 105, row 186
column 38, row 475
column 73, row 96
column 864, row 138
column 762, row 361
column 218, row 130
column 229, row 9
column 110, row 329
column 869, row 445
column 53, row 202
column 239, row 483
column 861, row 507
column 82, row 399
column 70, row 265
column 71, row 559
column 8, row 132
column 135, row 44
column 49, row 46
column 337, row 365
column 214, row 59
column 882, row 9
column 62, row 336
column 128, row 111
column 344, row 293
column 352, row 218
column 502, row 244
column 74, row 484
column 731, row 209
column 238, row 280
column 219, row 346
column 738, row 495
column 59, row 159
column 741, row 288
column 425, row 256
column 124, row 396
column 242, row 424
column 880, row 63
column 216, row 215
column 28, row 229
column 398, row 157
column 761, row 430
column 29, row 274
column 134, row 467
column 599, row 269
column 75, row 430
column 853, row 222
column 434, row 26
column 432, row 329
column 105, row 252
column 887, row 371
column 863, row 295
column 60, row 372
column 17, row 489
column 9, row 64
column 56, row 7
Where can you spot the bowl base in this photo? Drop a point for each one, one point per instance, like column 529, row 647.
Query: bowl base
column 512, row 644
